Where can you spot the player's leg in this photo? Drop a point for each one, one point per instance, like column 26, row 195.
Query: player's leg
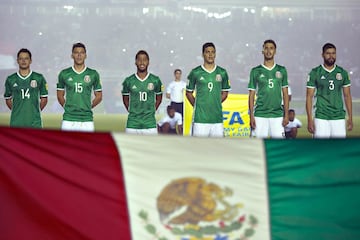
column 86, row 126
column 338, row 128
column 217, row 130
column 276, row 127
column 322, row 128
column 68, row 125
column 165, row 128
column 148, row 131
column 262, row 127
column 201, row 130
column 131, row 131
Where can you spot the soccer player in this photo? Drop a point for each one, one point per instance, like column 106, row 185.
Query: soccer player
column 211, row 83
column 175, row 92
column 142, row 95
column 328, row 83
column 269, row 82
column 78, row 82
column 26, row 93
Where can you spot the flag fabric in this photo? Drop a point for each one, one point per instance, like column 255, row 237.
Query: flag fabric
column 72, row 185
column 195, row 188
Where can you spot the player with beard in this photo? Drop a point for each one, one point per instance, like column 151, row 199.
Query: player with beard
column 328, row 83
column 270, row 83
column 142, row 95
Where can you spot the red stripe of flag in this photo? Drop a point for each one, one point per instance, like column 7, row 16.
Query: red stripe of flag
column 61, row 185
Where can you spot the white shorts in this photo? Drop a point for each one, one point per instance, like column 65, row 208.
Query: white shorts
column 208, row 130
column 77, row 126
column 269, row 127
column 330, row 128
column 146, row 131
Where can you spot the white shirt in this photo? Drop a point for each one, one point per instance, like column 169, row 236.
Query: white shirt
column 293, row 124
column 177, row 119
column 176, row 91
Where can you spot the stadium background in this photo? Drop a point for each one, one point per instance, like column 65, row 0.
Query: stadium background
column 173, row 32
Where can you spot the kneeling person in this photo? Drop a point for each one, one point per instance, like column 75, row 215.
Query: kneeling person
column 171, row 123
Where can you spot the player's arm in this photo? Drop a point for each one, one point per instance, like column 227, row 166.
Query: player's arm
column 43, row 102
column 348, row 105
column 251, row 108
column 308, row 105
column 60, row 93
column 286, row 106
column 168, row 95
column 190, row 97
column 180, row 129
column 158, row 101
column 224, row 95
column 126, row 100
column 97, row 99
column 9, row 103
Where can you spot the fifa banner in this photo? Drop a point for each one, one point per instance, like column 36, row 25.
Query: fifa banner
column 70, row 185
column 236, row 117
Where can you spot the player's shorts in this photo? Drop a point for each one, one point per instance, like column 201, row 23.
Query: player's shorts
column 77, row 126
column 329, row 128
column 269, row 127
column 147, row 131
column 208, row 130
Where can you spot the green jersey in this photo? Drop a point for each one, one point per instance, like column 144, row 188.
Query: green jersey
column 142, row 94
column 208, row 87
column 78, row 87
column 329, row 85
column 268, row 84
column 25, row 93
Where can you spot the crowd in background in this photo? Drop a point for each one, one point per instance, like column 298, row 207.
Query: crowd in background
column 173, row 38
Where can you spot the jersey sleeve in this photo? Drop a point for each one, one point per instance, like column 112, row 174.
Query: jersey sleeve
column 252, row 80
column 125, row 87
column 191, row 81
column 163, row 120
column 159, row 87
column 225, row 82
column 311, row 78
column 97, row 82
column 179, row 118
column 8, row 89
column 61, row 82
column 43, row 87
column 347, row 81
column 285, row 78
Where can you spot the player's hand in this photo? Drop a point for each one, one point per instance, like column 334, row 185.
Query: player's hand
column 349, row 124
column 285, row 121
column 252, row 122
column 311, row 126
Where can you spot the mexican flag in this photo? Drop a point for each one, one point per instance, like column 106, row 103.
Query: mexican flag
column 74, row 185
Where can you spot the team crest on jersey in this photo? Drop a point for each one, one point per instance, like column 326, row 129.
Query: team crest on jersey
column 33, row 83
column 150, row 86
column 278, row 74
column 339, row 76
column 87, row 79
column 218, row 78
